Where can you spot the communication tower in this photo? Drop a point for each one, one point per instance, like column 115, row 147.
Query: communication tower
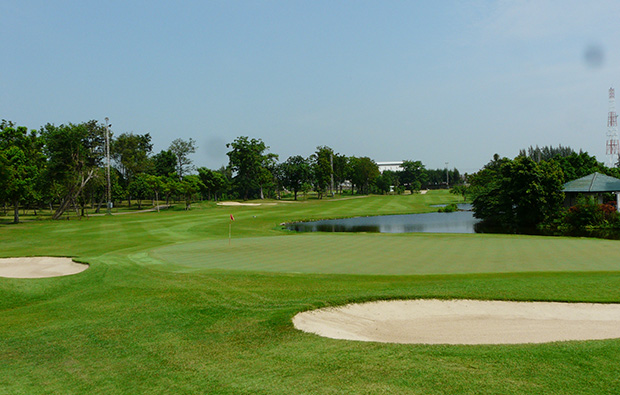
column 612, row 131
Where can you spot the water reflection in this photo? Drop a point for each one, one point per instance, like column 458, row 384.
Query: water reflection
column 456, row 222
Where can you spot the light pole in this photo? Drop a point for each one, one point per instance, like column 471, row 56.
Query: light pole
column 107, row 154
column 331, row 163
column 447, row 177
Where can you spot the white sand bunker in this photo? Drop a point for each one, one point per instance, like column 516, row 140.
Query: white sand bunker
column 464, row 322
column 244, row 204
column 39, row 267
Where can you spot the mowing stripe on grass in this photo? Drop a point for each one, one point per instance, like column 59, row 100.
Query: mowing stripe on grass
column 393, row 254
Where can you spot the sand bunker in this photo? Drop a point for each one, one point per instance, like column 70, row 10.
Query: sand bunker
column 464, row 322
column 39, row 267
column 244, row 204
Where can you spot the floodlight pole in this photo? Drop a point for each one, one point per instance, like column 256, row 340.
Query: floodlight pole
column 331, row 163
column 107, row 154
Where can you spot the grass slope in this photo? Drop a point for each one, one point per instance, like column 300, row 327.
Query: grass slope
column 168, row 307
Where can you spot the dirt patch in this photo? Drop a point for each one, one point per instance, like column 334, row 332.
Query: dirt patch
column 464, row 322
column 39, row 267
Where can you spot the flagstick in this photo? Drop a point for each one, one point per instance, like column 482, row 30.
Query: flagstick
column 230, row 228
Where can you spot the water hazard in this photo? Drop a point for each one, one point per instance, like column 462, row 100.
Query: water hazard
column 455, row 222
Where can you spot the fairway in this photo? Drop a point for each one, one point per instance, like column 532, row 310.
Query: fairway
column 168, row 306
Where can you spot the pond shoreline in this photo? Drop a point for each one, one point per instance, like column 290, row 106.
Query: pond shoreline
column 461, row 221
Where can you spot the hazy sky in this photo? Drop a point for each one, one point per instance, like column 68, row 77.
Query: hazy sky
column 436, row 81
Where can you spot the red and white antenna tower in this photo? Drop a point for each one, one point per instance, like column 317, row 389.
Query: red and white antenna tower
column 612, row 131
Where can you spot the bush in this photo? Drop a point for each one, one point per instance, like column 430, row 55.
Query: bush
column 415, row 187
column 587, row 214
column 450, row 208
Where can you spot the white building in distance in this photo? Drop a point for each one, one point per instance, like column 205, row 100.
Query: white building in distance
column 393, row 166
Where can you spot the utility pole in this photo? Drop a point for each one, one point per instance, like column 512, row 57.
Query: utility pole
column 107, row 154
column 331, row 162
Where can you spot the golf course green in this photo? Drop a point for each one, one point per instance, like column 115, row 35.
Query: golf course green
column 170, row 304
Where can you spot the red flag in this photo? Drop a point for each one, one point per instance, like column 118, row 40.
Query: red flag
column 231, row 217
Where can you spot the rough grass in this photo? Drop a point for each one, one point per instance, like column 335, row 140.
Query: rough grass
column 168, row 307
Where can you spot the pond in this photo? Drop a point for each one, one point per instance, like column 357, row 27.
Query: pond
column 455, row 222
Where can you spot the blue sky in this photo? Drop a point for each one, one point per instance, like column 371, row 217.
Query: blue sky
column 436, row 81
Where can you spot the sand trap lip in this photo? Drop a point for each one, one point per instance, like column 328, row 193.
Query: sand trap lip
column 39, row 267
column 431, row 321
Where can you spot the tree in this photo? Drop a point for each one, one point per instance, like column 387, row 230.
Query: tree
column 189, row 186
column 248, row 162
column 296, row 172
column 362, row 173
column 386, row 181
column 575, row 165
column 413, row 174
column 441, row 177
column 21, row 161
column 546, row 153
column 140, row 188
column 156, row 184
column 94, row 190
column 221, row 184
column 171, row 186
column 277, row 172
column 341, row 164
column 118, row 191
column 74, row 153
column 131, row 153
column 164, row 163
column 321, row 162
column 181, row 150
column 460, row 190
column 517, row 195
column 267, row 174
column 486, row 188
column 213, row 182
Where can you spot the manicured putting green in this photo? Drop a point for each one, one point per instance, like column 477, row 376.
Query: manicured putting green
column 389, row 254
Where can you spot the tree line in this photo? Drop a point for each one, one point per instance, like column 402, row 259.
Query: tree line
column 253, row 172
column 525, row 194
column 63, row 168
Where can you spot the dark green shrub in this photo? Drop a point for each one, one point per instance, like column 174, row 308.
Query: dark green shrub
column 587, row 214
column 450, row 208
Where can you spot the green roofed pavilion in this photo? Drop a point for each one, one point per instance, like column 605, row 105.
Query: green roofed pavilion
column 595, row 184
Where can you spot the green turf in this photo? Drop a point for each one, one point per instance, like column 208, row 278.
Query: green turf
column 389, row 254
column 169, row 307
